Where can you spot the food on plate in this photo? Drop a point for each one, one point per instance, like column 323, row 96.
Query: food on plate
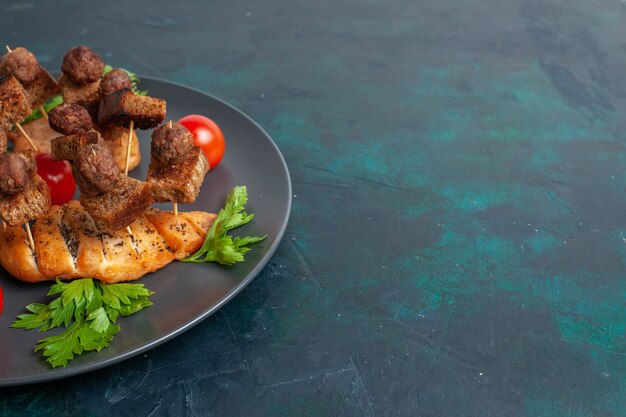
column 24, row 196
column 123, row 106
column 74, row 123
column 39, row 131
column 71, row 244
column 3, row 142
column 82, row 65
column 110, row 197
column 69, row 119
column 65, row 147
column 207, row 135
column 177, row 168
column 58, row 176
column 111, row 233
column 115, row 139
column 115, row 80
column 36, row 81
column 80, row 78
column 15, row 104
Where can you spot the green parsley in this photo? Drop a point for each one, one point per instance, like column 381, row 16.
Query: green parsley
column 218, row 245
column 48, row 105
column 88, row 309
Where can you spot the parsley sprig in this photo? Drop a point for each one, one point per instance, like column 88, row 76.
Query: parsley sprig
column 48, row 105
column 89, row 311
column 218, row 245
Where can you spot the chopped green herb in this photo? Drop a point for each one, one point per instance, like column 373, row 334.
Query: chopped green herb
column 218, row 245
column 48, row 105
column 88, row 309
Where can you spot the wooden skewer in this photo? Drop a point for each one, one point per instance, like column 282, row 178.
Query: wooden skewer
column 128, row 143
column 30, row 236
column 129, row 230
column 174, row 203
column 4, row 226
column 8, row 49
column 28, row 138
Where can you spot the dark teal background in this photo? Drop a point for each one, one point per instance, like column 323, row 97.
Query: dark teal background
column 457, row 245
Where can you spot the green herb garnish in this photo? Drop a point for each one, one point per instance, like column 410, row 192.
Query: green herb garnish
column 218, row 245
column 88, row 309
column 48, row 105
column 133, row 77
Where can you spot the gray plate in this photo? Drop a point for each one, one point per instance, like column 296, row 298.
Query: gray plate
column 185, row 294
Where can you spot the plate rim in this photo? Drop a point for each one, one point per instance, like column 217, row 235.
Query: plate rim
column 61, row 373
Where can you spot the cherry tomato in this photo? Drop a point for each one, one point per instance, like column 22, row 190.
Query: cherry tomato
column 207, row 135
column 58, row 176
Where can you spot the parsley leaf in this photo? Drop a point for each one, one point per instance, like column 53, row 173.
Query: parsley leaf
column 88, row 309
column 48, row 105
column 220, row 247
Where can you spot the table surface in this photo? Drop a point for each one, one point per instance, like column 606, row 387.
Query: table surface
column 457, row 244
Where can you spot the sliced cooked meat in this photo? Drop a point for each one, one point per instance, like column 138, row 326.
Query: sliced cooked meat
column 82, row 65
column 95, row 170
column 22, row 64
column 70, row 119
column 115, row 80
column 171, row 145
column 13, row 175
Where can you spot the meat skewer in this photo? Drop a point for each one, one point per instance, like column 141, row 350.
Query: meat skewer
column 24, row 196
column 10, row 115
column 41, row 108
column 121, row 107
column 75, row 124
column 36, row 81
column 111, row 198
column 178, row 167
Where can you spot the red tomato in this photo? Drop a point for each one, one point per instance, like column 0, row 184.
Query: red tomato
column 58, row 176
column 207, row 135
